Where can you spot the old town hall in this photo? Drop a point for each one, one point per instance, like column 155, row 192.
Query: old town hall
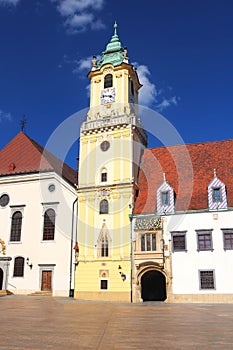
column 145, row 224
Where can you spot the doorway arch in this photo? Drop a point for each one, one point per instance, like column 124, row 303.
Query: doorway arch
column 153, row 286
column 1, row 278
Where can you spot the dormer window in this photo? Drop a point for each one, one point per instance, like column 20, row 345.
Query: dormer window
column 108, row 81
column 165, row 198
column 217, row 197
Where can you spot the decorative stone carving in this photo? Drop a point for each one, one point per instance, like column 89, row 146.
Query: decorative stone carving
column 148, row 224
column 3, row 250
column 104, row 193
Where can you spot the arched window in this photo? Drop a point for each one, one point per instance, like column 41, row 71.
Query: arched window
column 104, row 175
column 104, row 206
column 16, row 225
column 104, row 243
column 108, row 81
column 18, row 267
column 104, row 246
column 49, row 225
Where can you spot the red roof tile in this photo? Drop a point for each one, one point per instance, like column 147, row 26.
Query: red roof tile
column 189, row 170
column 23, row 155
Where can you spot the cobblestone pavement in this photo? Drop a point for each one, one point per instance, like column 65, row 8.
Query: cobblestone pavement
column 61, row 323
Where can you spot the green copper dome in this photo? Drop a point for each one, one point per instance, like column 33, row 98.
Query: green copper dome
column 114, row 54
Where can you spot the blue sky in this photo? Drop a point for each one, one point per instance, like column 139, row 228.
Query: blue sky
column 183, row 50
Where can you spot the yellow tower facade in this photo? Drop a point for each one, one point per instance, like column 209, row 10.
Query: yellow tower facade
column 111, row 143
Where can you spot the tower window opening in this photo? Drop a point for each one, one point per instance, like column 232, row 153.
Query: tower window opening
column 132, row 87
column 104, row 175
column 108, row 81
column 104, row 206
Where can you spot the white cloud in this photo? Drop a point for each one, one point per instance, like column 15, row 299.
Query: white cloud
column 71, row 7
column 9, row 2
column 79, row 22
column 5, row 116
column 167, row 102
column 80, row 14
column 149, row 94
column 83, row 65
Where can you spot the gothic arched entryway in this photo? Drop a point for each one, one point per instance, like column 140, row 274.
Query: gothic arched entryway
column 153, row 286
column 1, row 278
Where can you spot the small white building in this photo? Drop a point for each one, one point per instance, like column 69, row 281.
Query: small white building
column 183, row 224
column 37, row 219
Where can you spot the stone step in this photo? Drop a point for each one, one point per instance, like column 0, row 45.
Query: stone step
column 5, row 292
column 41, row 294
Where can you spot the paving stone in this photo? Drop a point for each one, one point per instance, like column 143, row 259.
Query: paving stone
column 63, row 323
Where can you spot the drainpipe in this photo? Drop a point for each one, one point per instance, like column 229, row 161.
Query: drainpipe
column 71, row 291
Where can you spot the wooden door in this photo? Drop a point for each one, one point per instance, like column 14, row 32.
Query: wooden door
column 46, row 281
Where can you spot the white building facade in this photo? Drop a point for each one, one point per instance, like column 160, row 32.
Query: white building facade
column 37, row 216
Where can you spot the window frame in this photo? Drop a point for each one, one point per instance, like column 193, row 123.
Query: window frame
column 220, row 194
column 227, row 232
column 204, row 232
column 108, row 81
column 179, row 234
column 52, row 224
column 103, row 207
column 4, row 203
column 163, row 202
column 213, row 281
column 106, row 281
column 104, row 175
column 20, row 268
column 144, row 237
column 16, row 227
column 104, row 247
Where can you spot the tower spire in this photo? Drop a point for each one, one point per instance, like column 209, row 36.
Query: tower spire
column 115, row 28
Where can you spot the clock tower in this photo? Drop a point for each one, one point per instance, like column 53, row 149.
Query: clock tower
column 111, row 144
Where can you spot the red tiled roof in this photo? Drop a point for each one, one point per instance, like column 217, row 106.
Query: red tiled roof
column 23, row 155
column 188, row 169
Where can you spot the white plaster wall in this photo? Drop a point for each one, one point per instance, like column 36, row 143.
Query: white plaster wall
column 31, row 191
column 185, row 265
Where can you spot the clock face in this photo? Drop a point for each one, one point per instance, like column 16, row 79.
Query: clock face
column 107, row 95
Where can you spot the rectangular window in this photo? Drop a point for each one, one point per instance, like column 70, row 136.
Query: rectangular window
column 179, row 241
column 204, row 240
column 103, row 177
column 207, row 279
column 148, row 242
column 104, row 284
column 228, row 239
column 217, row 195
column 165, row 198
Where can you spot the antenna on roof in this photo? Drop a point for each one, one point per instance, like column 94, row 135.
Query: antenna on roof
column 23, row 122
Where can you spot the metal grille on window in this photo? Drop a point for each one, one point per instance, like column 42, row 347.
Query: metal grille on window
column 207, row 279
